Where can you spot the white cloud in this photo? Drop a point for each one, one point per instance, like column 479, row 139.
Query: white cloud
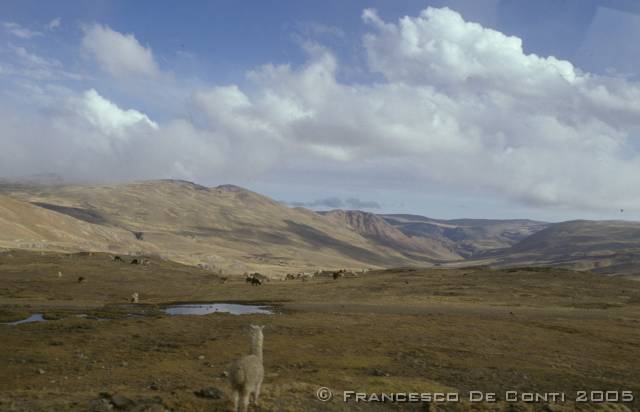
column 456, row 105
column 108, row 117
column 19, row 30
column 119, row 54
column 460, row 105
column 54, row 24
column 85, row 136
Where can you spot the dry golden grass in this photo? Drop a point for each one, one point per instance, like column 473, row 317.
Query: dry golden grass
column 395, row 330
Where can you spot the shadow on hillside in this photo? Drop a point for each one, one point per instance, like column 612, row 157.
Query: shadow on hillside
column 85, row 215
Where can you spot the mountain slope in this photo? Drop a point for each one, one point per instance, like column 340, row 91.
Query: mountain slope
column 376, row 228
column 603, row 246
column 225, row 227
column 27, row 226
column 467, row 237
column 235, row 230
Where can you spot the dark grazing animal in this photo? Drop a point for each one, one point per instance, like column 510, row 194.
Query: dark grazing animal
column 81, row 279
column 256, row 282
column 135, row 262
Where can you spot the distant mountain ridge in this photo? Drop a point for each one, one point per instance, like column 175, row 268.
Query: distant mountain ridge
column 226, row 227
column 236, row 230
column 609, row 247
column 467, row 237
column 377, row 228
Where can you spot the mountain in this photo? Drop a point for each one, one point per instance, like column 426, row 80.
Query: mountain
column 236, row 230
column 376, row 228
column 466, row 237
column 608, row 246
column 27, row 226
column 226, row 227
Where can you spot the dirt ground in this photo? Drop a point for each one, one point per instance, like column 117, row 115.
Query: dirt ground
column 395, row 331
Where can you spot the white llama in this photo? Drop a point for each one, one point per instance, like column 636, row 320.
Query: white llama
column 246, row 373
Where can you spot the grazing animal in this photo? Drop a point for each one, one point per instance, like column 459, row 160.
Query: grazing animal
column 81, row 279
column 117, row 259
column 246, row 373
column 135, row 262
column 256, row 282
column 337, row 275
column 134, row 297
column 248, row 279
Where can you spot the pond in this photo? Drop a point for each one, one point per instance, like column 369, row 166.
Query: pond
column 180, row 309
column 207, row 308
column 36, row 317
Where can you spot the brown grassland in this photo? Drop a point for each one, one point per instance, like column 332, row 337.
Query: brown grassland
column 401, row 330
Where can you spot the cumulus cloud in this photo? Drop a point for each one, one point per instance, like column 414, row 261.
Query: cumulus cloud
column 460, row 105
column 454, row 104
column 19, row 30
column 119, row 54
column 86, row 136
column 108, row 117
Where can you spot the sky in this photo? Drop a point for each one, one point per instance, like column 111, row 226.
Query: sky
column 445, row 108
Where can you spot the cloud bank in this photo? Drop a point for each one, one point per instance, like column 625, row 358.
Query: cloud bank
column 337, row 203
column 454, row 103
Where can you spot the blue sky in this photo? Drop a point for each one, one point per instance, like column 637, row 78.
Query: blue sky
column 485, row 108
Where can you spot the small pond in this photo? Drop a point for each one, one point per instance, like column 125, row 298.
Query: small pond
column 36, row 317
column 181, row 309
column 207, row 308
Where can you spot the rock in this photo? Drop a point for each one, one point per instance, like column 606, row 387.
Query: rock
column 154, row 386
column 224, row 374
column 209, row 393
column 201, row 357
column 124, row 364
column 121, row 401
column 41, row 371
column 378, row 372
column 100, row 405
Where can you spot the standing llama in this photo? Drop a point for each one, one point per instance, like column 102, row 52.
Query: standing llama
column 246, row 373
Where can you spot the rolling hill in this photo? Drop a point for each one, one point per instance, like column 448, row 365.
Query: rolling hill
column 27, row 226
column 225, row 227
column 376, row 228
column 467, row 237
column 235, row 230
column 609, row 247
